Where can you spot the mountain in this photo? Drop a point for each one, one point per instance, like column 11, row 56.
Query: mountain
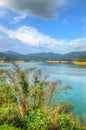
column 74, row 55
column 11, row 55
column 45, row 56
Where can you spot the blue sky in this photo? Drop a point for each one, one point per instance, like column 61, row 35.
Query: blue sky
column 31, row 26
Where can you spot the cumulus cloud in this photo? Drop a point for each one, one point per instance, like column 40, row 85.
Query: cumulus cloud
column 46, row 9
column 29, row 38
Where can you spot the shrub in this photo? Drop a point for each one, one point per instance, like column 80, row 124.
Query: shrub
column 63, row 121
column 65, row 107
column 7, row 127
column 69, row 122
column 36, row 120
column 11, row 116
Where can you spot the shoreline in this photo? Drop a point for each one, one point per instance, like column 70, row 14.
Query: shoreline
column 79, row 63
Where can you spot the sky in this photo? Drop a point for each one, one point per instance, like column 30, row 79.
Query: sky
column 34, row 26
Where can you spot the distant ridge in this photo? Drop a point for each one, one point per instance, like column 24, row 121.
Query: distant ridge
column 12, row 55
column 75, row 55
column 44, row 56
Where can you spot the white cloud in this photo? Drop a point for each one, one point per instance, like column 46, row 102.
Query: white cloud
column 30, row 37
column 46, row 9
column 19, row 18
column 33, row 37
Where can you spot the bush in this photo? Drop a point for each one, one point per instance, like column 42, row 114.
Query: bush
column 7, row 127
column 11, row 116
column 36, row 120
column 69, row 122
column 63, row 121
column 65, row 107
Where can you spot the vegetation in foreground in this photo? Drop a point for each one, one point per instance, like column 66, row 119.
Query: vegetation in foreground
column 26, row 102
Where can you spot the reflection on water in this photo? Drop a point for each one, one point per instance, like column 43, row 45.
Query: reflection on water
column 71, row 75
column 5, row 65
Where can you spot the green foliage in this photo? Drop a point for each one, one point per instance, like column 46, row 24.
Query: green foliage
column 24, row 83
column 2, row 78
column 7, row 127
column 36, row 120
column 8, row 115
column 6, row 96
column 63, row 121
column 67, row 123
column 83, row 128
column 11, row 116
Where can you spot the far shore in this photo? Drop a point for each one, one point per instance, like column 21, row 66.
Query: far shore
column 81, row 63
column 2, row 61
column 57, row 61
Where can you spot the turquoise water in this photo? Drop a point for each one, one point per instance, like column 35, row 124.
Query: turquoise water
column 71, row 75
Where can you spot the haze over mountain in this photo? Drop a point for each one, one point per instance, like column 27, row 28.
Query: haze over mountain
column 12, row 53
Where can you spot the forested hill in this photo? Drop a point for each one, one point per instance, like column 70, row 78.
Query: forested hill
column 10, row 55
column 75, row 56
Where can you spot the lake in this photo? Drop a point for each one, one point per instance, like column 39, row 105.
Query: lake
column 70, row 74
